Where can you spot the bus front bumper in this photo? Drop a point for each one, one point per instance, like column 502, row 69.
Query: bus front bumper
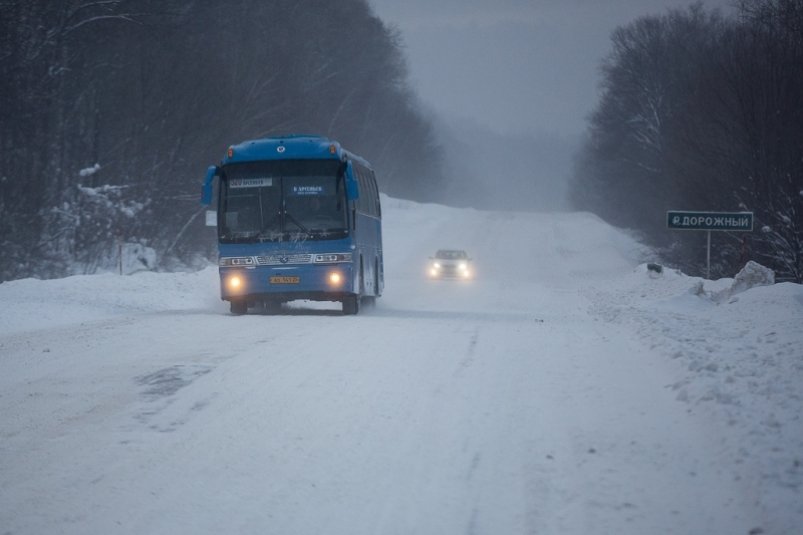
column 329, row 282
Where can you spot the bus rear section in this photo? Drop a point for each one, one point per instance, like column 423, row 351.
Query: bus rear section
column 297, row 218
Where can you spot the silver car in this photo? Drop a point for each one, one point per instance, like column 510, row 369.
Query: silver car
column 450, row 264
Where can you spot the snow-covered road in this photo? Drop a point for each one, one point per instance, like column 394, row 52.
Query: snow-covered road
column 514, row 404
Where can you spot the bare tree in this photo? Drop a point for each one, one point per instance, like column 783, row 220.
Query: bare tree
column 703, row 113
column 110, row 110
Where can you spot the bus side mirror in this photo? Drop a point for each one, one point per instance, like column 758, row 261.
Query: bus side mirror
column 211, row 218
column 206, row 192
column 352, row 191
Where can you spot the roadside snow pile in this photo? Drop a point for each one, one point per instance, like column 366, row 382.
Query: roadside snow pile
column 753, row 274
column 94, row 298
column 739, row 346
column 135, row 257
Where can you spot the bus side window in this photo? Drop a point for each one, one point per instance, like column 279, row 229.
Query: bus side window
column 368, row 194
column 370, row 202
column 362, row 205
column 376, row 195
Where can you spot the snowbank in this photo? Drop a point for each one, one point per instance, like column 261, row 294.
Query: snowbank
column 32, row 304
column 738, row 347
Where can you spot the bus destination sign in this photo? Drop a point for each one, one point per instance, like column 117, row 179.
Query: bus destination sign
column 728, row 221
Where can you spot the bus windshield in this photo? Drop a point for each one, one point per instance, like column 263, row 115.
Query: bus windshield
column 282, row 200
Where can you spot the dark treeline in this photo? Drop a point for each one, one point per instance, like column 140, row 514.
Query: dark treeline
column 110, row 112
column 705, row 113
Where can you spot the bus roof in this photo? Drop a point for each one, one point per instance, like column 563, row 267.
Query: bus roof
column 293, row 147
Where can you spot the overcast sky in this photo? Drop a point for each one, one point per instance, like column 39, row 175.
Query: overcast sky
column 513, row 65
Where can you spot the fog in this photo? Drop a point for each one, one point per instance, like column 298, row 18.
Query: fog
column 511, row 76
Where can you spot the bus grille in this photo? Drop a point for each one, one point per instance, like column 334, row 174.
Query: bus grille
column 280, row 260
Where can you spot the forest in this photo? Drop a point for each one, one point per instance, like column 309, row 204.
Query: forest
column 702, row 112
column 111, row 110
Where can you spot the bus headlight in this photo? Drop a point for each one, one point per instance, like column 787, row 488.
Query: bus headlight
column 335, row 278
column 236, row 261
column 330, row 258
column 234, row 283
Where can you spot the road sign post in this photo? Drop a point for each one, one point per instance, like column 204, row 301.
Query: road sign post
column 708, row 221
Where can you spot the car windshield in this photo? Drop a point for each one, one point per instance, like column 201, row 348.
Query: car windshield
column 444, row 254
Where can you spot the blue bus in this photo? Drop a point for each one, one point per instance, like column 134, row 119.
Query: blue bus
column 298, row 217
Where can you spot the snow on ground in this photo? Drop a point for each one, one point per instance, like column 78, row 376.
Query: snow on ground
column 566, row 390
column 741, row 361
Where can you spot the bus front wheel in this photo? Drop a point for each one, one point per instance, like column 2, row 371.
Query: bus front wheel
column 238, row 307
column 351, row 305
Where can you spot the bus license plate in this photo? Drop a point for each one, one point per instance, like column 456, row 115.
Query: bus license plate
column 284, row 280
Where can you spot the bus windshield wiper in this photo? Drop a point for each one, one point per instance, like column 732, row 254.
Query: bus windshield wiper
column 273, row 235
column 240, row 237
column 293, row 220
